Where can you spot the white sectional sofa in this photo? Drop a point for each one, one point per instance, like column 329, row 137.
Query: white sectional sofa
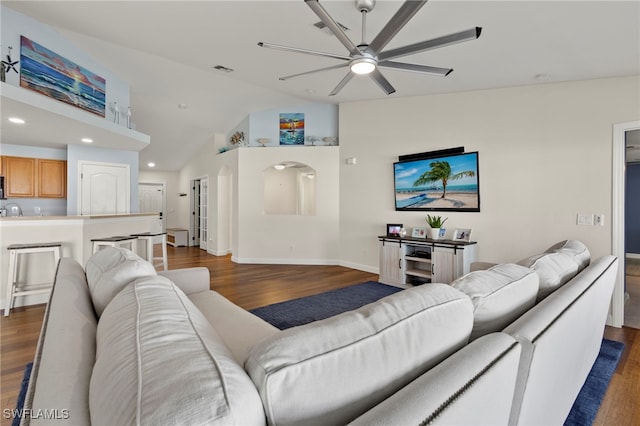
column 122, row 345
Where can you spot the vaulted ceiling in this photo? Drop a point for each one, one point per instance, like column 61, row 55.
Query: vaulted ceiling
column 167, row 51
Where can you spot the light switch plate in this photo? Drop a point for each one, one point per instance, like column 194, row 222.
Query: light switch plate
column 585, row 219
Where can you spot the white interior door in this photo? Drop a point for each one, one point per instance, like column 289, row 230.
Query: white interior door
column 152, row 200
column 204, row 203
column 104, row 188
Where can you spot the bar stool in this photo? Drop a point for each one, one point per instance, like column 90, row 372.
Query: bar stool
column 14, row 286
column 117, row 241
column 149, row 238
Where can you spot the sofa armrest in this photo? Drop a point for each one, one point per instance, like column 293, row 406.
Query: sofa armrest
column 189, row 280
column 473, row 386
column 481, row 266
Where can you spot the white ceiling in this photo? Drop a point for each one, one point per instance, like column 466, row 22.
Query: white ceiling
column 166, row 50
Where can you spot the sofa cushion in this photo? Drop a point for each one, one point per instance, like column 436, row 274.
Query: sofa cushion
column 331, row 371
column 239, row 329
column 65, row 353
column 499, row 295
column 159, row 361
column 553, row 269
column 574, row 248
column 110, row 270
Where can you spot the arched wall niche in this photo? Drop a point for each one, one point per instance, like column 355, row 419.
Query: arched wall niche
column 290, row 189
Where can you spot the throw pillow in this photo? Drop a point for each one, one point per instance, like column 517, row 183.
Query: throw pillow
column 110, row 270
column 553, row 269
column 499, row 295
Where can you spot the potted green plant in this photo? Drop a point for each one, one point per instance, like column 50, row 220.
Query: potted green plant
column 435, row 222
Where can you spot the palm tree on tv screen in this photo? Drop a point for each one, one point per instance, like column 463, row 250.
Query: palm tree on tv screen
column 441, row 171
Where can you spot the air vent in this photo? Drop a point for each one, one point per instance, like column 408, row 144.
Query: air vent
column 322, row 27
column 222, row 68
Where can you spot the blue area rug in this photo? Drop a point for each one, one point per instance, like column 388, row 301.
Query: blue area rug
column 320, row 306
column 586, row 406
column 23, row 393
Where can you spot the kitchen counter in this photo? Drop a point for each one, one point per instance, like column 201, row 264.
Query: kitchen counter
column 88, row 217
column 74, row 232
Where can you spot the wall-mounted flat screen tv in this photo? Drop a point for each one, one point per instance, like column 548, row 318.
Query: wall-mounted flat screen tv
column 442, row 183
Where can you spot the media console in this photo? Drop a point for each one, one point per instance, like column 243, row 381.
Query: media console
column 413, row 261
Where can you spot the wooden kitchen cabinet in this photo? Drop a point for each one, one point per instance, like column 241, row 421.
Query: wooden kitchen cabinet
column 27, row 177
column 19, row 177
column 52, row 178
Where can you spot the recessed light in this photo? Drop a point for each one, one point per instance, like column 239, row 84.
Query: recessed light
column 16, row 120
column 183, row 106
column 279, row 166
column 151, row 164
column 87, row 140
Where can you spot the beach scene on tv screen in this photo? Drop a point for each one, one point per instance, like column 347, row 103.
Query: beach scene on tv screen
column 438, row 183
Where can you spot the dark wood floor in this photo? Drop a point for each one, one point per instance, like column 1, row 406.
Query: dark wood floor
column 252, row 286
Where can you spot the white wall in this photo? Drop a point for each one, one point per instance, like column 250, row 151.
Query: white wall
column 319, row 120
column 545, row 155
column 287, row 238
column 203, row 164
column 15, row 24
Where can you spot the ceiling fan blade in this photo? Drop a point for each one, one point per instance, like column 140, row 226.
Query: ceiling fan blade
column 470, row 34
column 305, row 51
column 408, row 9
column 333, row 67
column 384, row 84
column 333, row 26
column 423, row 69
column 342, row 83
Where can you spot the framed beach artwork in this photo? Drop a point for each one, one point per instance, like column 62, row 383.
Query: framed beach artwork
column 419, row 233
column 462, row 235
column 449, row 182
column 50, row 74
column 292, row 128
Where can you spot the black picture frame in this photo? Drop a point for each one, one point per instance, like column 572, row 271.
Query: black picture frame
column 393, row 229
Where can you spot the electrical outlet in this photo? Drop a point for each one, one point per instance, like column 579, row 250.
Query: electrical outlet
column 598, row 219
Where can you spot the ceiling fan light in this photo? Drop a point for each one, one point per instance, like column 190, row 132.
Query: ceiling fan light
column 363, row 66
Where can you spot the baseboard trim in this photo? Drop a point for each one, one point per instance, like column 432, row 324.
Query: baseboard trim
column 632, row 255
column 286, row 261
column 365, row 268
column 219, row 252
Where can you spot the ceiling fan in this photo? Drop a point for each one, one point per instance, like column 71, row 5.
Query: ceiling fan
column 367, row 58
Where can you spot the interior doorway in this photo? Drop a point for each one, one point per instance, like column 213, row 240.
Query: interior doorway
column 632, row 229
column 620, row 301
column 152, row 199
column 103, row 188
column 199, row 226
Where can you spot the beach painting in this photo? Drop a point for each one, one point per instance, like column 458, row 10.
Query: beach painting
column 292, row 128
column 50, row 74
column 447, row 183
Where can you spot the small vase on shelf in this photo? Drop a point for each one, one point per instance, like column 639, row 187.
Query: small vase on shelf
column 435, row 222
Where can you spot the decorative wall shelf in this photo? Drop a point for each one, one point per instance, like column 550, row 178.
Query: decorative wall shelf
column 53, row 124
